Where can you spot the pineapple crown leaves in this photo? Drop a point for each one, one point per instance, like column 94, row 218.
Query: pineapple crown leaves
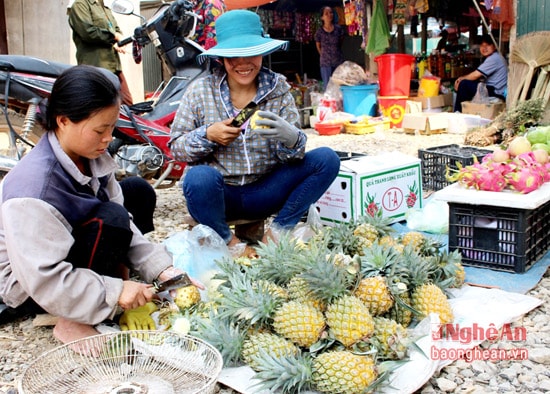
column 328, row 281
column 279, row 262
column 247, row 302
column 288, row 374
column 339, row 238
column 224, row 335
column 385, row 369
column 381, row 223
column 378, row 260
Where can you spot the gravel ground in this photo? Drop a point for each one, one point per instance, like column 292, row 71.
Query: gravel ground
column 22, row 341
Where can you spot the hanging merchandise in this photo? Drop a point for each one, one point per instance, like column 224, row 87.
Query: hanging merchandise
column 283, row 21
column 305, row 27
column 379, row 32
column 421, row 6
column 354, row 12
column 400, row 12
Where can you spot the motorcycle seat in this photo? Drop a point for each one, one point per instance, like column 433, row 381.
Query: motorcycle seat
column 33, row 65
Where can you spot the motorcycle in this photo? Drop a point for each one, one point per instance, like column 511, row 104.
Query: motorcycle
column 142, row 132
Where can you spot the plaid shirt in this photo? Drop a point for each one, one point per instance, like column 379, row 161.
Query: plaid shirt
column 249, row 156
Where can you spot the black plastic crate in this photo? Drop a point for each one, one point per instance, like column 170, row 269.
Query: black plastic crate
column 434, row 162
column 499, row 238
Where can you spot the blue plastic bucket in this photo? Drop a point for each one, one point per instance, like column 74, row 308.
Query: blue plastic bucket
column 360, row 99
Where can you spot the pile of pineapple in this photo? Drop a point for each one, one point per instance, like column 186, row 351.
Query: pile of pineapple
column 329, row 315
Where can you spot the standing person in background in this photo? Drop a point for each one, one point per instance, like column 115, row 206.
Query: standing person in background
column 209, row 11
column 95, row 35
column 328, row 40
column 493, row 70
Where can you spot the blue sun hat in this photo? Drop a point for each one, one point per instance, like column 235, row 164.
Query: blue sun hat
column 239, row 33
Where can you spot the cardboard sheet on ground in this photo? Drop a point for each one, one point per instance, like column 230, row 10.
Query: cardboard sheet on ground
column 473, row 307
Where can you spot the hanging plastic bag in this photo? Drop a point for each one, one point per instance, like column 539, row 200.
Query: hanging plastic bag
column 482, row 94
column 196, row 252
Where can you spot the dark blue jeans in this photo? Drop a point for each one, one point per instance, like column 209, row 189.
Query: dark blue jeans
column 288, row 190
column 467, row 90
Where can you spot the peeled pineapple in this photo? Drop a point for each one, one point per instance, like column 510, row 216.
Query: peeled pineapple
column 187, row 296
column 253, row 121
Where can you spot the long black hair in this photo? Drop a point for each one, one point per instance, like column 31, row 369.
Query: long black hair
column 79, row 92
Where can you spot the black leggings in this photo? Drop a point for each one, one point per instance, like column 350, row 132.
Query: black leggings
column 102, row 243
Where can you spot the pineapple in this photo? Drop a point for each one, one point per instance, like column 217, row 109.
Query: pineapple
column 298, row 290
column 366, row 230
column 374, row 292
column 349, row 320
column 401, row 311
column 426, row 296
column 187, row 296
column 270, row 343
column 379, row 222
column 390, row 339
column 414, row 239
column 302, row 323
column 430, row 298
column 366, row 235
column 343, row 372
column 340, row 239
column 451, row 266
column 388, row 240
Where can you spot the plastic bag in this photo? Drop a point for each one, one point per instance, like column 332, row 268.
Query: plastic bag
column 196, row 252
column 349, row 73
column 482, row 94
column 305, row 230
column 433, row 218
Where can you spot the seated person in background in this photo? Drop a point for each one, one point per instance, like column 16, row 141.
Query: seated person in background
column 493, row 70
column 66, row 238
column 239, row 172
column 442, row 43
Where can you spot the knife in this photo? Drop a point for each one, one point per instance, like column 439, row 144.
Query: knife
column 181, row 280
column 245, row 114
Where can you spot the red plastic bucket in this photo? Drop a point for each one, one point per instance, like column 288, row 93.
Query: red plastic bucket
column 394, row 74
column 393, row 107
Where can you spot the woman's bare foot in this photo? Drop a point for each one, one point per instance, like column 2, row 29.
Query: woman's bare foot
column 68, row 331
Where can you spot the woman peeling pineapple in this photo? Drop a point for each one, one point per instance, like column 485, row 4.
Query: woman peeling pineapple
column 66, row 236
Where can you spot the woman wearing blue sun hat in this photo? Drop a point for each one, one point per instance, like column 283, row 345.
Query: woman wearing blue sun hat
column 239, row 172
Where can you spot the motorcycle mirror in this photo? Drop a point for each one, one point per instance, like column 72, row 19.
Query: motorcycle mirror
column 124, row 7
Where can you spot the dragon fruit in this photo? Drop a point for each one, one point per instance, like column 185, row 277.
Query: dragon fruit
column 523, row 174
column 525, row 179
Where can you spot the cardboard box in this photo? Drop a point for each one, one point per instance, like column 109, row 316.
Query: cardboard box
column 391, row 182
column 442, row 100
column 487, row 111
column 425, row 123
